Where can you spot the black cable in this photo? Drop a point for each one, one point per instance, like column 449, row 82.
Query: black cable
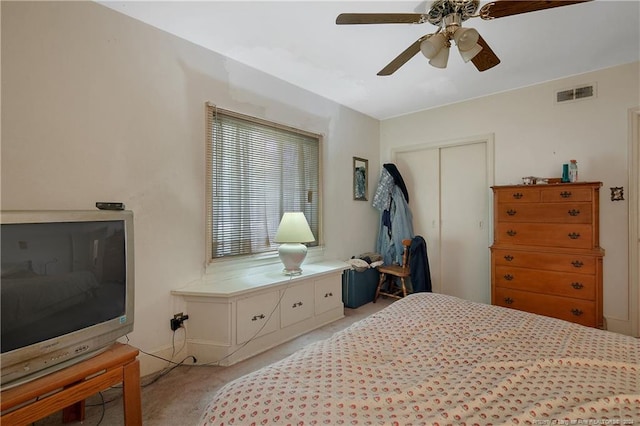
column 217, row 363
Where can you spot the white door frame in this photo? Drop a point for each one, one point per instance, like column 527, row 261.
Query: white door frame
column 489, row 140
column 634, row 220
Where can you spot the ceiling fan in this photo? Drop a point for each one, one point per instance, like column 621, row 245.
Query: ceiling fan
column 448, row 16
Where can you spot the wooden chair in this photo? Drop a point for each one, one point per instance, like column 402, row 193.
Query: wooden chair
column 392, row 272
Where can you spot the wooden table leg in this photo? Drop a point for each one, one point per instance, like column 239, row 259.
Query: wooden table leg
column 131, row 394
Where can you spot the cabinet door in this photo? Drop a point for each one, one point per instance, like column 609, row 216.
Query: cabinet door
column 297, row 304
column 257, row 316
column 328, row 293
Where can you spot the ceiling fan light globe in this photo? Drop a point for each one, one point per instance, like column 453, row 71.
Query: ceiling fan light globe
column 441, row 59
column 468, row 55
column 433, row 45
column 466, row 38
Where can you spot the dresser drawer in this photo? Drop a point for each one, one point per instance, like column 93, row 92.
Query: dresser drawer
column 546, row 213
column 573, row 263
column 541, row 281
column 518, row 195
column 565, row 308
column 544, row 234
column 566, row 194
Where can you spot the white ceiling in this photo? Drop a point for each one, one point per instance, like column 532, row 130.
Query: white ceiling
column 298, row 41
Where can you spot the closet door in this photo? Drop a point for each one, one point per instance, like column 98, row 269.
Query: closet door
column 449, row 198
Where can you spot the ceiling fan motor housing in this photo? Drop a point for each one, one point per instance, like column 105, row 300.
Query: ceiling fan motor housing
column 442, row 8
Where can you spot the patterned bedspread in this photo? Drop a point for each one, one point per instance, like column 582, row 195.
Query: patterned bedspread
column 435, row 359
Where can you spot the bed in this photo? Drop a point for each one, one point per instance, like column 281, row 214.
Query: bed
column 439, row 360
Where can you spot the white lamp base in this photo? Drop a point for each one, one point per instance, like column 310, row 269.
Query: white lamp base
column 292, row 255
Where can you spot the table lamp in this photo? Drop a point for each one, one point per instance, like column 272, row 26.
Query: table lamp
column 292, row 231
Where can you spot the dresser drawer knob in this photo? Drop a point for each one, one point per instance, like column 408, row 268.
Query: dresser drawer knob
column 511, row 233
column 574, row 235
column 508, row 277
column 518, row 195
column 296, row 304
column 511, row 212
column 577, row 264
column 508, row 300
column 574, row 212
column 508, row 258
column 257, row 317
column 576, row 312
column 565, row 194
column 328, row 295
column 577, row 286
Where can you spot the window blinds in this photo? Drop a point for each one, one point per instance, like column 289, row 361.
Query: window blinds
column 257, row 171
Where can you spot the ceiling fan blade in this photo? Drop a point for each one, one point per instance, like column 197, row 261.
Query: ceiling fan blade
column 402, row 58
column 502, row 8
column 486, row 58
column 379, row 18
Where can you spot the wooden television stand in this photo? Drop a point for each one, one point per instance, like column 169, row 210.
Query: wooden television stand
column 67, row 389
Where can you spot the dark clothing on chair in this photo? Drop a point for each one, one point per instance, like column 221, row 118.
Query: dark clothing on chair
column 419, row 265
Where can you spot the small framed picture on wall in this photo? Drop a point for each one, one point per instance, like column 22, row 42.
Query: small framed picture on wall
column 360, row 179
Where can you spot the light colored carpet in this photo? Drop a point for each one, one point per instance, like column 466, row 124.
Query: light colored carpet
column 179, row 398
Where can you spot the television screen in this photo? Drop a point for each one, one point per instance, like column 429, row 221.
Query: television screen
column 58, row 278
column 67, row 288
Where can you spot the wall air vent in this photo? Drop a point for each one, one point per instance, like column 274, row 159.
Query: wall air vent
column 576, row 93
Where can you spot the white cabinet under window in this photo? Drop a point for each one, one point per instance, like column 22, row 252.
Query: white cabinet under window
column 237, row 318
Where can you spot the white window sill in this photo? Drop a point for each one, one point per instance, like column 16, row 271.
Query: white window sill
column 224, row 269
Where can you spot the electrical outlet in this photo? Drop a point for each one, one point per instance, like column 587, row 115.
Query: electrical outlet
column 177, row 321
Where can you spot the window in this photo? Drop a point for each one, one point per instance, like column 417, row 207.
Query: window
column 257, row 171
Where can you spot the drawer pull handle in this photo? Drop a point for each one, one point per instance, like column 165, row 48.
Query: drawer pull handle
column 577, row 264
column 518, row 195
column 508, row 277
column 576, row 312
column 511, row 212
column 511, row 233
column 508, row 300
column 577, row 286
column 565, row 194
column 574, row 212
column 508, row 258
column 328, row 295
column 574, row 235
column 295, row 305
column 257, row 317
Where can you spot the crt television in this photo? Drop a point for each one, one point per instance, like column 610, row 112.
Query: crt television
column 66, row 290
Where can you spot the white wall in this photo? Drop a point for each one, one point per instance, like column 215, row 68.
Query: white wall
column 99, row 107
column 534, row 137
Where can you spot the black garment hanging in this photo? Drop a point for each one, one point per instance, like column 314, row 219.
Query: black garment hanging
column 397, row 178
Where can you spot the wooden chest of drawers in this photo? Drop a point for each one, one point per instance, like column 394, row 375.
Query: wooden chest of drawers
column 546, row 256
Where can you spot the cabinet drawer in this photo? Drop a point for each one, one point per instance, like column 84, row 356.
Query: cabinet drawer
column 550, row 261
column 551, row 282
column 517, row 195
column 328, row 294
column 252, row 316
column 543, row 234
column 296, row 305
column 565, row 308
column 565, row 194
column 546, row 213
